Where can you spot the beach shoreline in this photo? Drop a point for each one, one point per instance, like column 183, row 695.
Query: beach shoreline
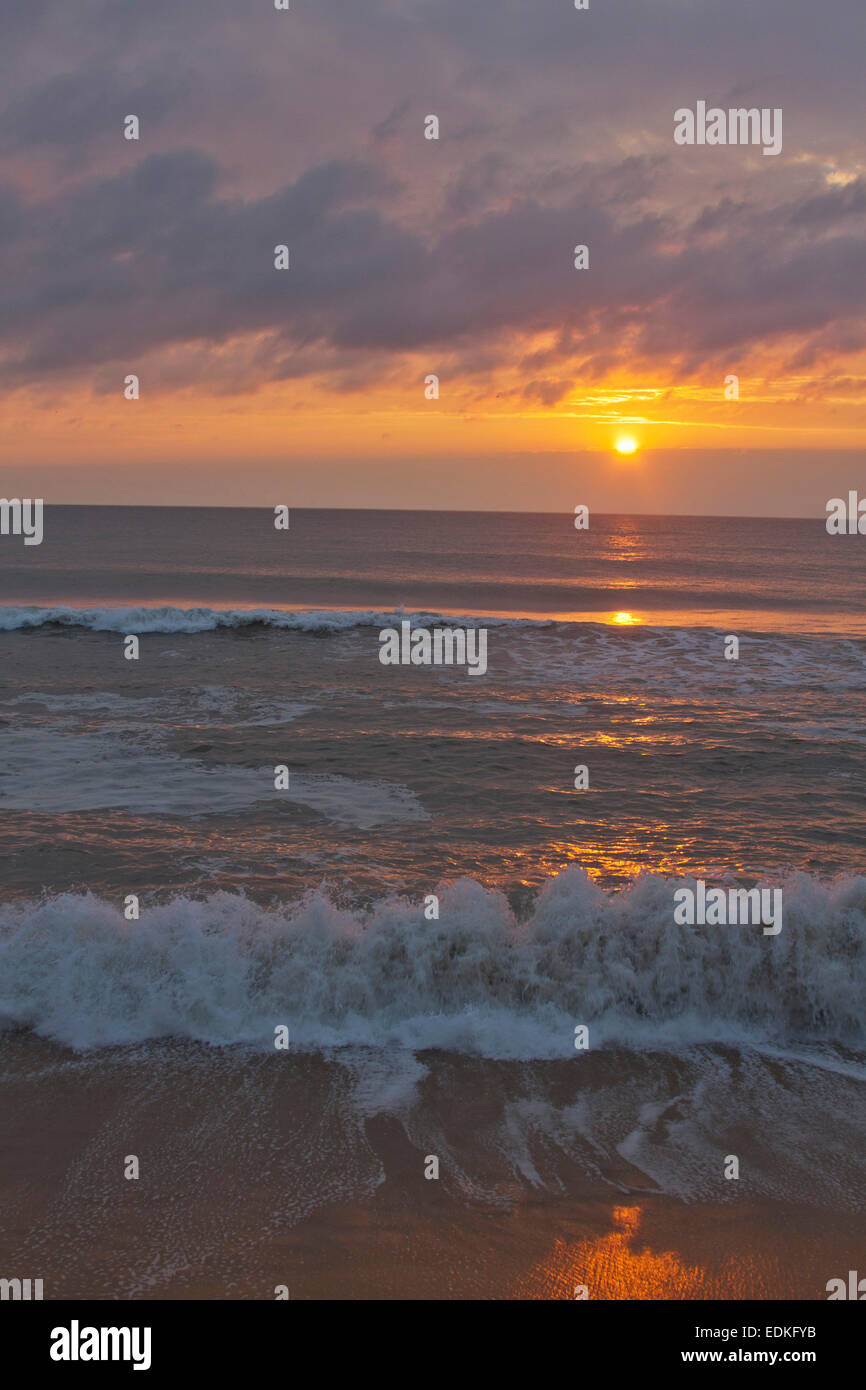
column 256, row 1175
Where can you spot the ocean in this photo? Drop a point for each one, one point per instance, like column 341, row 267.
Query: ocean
column 419, row 1031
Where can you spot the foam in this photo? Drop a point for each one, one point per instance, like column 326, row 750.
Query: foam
column 644, row 656
column 225, row 970
column 52, row 771
column 169, row 619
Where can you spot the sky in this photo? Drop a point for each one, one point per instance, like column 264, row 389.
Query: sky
column 411, row 257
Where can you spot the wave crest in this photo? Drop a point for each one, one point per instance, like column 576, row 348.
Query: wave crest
column 166, row 618
column 225, row 970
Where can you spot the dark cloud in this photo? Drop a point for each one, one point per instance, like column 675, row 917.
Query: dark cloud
column 827, row 209
column 261, row 128
column 70, row 110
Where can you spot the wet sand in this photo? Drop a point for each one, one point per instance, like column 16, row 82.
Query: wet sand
column 254, row 1176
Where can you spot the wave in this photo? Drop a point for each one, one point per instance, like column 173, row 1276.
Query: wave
column 168, row 619
column 672, row 638
column 477, row 980
column 53, row 772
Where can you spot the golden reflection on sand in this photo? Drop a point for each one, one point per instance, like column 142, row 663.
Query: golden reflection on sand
column 614, row 1267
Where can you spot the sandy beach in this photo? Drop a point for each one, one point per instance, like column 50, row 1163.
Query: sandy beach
column 279, row 1174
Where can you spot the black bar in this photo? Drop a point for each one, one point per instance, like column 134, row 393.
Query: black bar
column 650, row 1338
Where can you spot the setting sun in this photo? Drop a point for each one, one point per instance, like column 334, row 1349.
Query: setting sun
column 626, row 444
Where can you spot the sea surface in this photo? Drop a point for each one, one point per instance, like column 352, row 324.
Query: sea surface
column 308, row 908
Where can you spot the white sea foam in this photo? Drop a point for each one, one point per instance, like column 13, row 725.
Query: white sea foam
column 52, row 771
column 572, row 651
column 191, row 620
column 216, row 704
column 225, row 970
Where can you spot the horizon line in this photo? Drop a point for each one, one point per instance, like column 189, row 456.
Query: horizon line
column 413, row 511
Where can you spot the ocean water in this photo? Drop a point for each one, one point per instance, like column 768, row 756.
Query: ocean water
column 305, row 907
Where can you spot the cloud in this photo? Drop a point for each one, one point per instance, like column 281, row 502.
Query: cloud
column 306, row 129
column 72, row 109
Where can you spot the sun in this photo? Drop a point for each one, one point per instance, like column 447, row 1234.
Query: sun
column 626, row 444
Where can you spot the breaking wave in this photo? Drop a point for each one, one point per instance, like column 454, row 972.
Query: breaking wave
column 477, row 980
column 169, row 619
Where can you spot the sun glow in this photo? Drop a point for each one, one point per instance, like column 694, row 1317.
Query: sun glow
column 626, row 444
